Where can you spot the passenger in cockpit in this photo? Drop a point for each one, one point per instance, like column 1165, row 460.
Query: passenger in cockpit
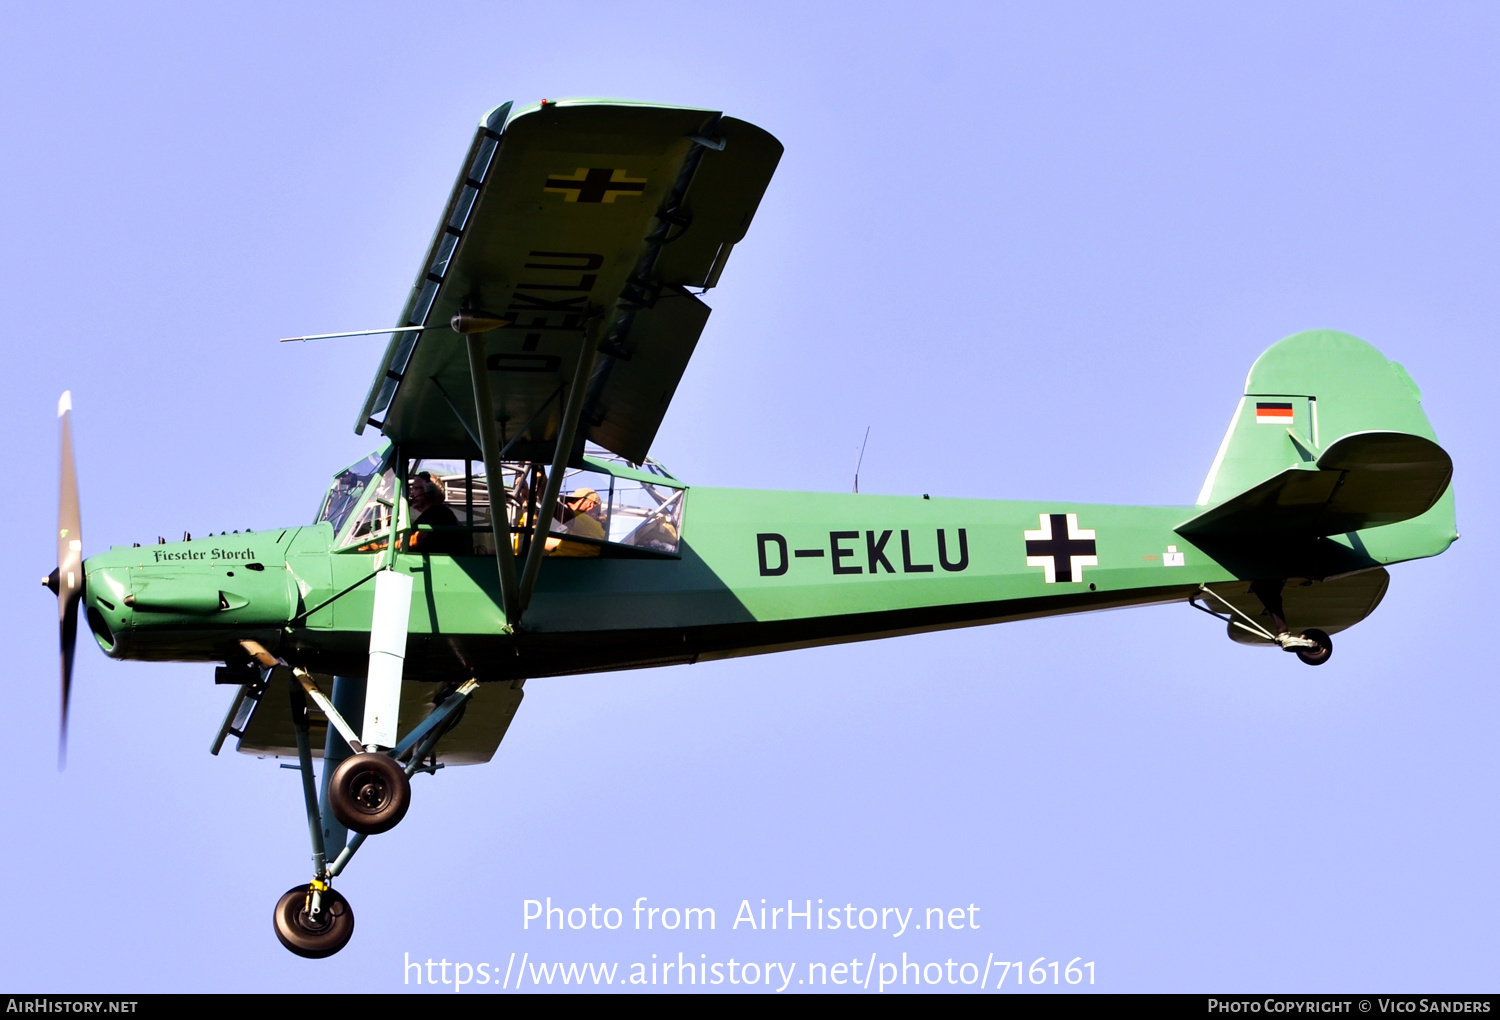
column 578, row 513
column 584, row 522
column 427, row 500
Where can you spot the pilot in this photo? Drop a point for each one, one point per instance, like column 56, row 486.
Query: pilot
column 428, row 501
column 580, row 515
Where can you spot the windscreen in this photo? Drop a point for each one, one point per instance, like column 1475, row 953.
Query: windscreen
column 345, row 491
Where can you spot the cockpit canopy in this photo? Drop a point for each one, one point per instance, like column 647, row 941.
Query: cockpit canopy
column 607, row 506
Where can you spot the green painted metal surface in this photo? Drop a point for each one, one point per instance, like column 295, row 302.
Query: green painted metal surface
column 1329, row 472
column 1301, row 396
column 757, row 570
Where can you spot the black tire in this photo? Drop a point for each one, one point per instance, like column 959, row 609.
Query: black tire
column 297, row 931
column 1321, row 654
column 369, row 793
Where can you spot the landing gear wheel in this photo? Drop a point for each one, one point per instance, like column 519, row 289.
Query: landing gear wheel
column 369, row 793
column 1319, row 655
column 311, row 937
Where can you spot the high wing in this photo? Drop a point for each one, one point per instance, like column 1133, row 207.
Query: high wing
column 573, row 222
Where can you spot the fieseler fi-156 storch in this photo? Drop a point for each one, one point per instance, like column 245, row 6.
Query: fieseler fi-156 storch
column 512, row 525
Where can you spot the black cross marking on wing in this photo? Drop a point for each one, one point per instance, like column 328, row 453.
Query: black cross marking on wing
column 599, row 184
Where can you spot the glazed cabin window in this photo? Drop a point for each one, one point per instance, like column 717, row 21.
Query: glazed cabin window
column 595, row 509
column 346, row 489
column 449, row 508
column 373, row 525
column 645, row 515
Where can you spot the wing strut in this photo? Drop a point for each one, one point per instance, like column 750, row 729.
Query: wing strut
column 484, row 410
column 567, row 431
column 516, row 597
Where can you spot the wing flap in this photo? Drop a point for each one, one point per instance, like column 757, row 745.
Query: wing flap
column 634, row 391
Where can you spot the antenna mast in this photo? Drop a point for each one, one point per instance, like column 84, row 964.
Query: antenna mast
column 861, row 458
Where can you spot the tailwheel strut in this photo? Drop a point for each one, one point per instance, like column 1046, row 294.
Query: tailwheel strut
column 1312, row 646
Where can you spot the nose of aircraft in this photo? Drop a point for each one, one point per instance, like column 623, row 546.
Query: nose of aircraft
column 104, row 602
column 181, row 587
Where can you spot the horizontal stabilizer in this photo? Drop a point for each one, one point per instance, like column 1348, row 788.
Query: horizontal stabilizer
column 1363, row 480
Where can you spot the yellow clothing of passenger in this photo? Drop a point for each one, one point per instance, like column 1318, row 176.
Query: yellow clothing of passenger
column 584, row 526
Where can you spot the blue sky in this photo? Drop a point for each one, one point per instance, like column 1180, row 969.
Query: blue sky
column 1033, row 247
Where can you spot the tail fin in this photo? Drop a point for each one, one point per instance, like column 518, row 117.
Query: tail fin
column 1329, row 438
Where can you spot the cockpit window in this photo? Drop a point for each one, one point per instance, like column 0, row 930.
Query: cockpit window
column 379, row 512
column 347, row 486
column 595, row 508
column 645, row 515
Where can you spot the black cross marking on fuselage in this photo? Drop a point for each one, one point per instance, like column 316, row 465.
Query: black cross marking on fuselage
column 596, row 184
column 1061, row 548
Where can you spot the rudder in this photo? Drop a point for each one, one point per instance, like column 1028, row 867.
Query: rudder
column 1329, row 438
column 1303, row 394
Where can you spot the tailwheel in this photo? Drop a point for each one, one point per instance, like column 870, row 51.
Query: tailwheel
column 369, row 793
column 1321, row 653
column 314, row 922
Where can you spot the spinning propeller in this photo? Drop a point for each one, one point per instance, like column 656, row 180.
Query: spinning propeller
column 66, row 580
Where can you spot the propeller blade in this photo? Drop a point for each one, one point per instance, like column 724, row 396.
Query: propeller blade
column 68, row 628
column 69, row 573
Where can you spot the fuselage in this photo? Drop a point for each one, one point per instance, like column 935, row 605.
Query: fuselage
column 754, row 571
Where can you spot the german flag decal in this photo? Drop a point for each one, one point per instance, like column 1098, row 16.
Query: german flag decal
column 1273, row 414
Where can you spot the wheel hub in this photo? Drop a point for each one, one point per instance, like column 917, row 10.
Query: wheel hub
column 371, row 794
column 315, row 925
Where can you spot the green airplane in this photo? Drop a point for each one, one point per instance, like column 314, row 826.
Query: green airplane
column 554, row 314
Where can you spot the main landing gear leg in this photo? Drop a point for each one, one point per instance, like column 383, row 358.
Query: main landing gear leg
column 368, row 792
column 348, row 698
column 312, row 920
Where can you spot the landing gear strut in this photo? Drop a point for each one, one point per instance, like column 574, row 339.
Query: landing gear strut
column 1312, row 646
column 367, row 792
